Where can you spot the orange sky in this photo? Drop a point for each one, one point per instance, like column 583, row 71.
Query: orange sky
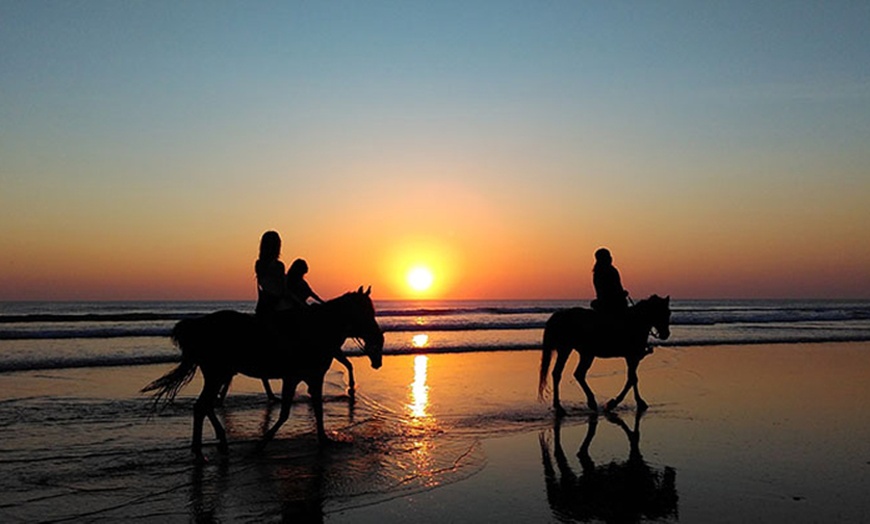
column 500, row 147
column 475, row 246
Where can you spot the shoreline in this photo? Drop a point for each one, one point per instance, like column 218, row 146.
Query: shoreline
column 101, row 361
column 781, row 433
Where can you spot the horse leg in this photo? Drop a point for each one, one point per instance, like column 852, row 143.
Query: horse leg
column 222, row 392
column 315, row 389
column 558, row 367
column 580, row 375
column 268, row 389
column 204, row 407
column 351, row 384
column 288, row 391
column 641, row 405
column 630, row 382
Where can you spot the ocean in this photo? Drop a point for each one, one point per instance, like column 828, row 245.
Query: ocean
column 52, row 335
column 450, row 428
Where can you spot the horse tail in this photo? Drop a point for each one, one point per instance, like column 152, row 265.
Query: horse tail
column 167, row 387
column 547, row 349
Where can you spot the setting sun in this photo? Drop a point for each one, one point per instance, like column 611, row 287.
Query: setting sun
column 420, row 278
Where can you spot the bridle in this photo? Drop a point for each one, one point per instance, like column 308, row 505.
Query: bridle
column 652, row 328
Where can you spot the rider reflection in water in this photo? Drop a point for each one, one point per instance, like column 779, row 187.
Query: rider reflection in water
column 610, row 297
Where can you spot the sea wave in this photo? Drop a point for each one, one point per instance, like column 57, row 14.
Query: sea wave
column 90, row 332
column 48, row 363
column 83, row 332
column 110, row 333
column 46, row 336
column 716, row 311
column 85, row 362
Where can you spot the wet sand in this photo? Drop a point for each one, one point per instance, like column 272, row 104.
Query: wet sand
column 754, row 433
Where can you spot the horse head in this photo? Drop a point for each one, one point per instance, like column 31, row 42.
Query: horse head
column 659, row 312
column 360, row 311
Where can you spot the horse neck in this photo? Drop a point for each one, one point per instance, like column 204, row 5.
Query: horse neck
column 334, row 311
column 642, row 312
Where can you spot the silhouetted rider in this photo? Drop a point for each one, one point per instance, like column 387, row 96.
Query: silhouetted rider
column 270, row 290
column 611, row 298
column 270, row 276
column 298, row 290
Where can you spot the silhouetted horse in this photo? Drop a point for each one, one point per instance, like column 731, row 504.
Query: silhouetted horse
column 628, row 491
column 339, row 356
column 299, row 348
column 593, row 336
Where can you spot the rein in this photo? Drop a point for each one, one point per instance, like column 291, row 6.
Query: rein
column 339, row 307
column 652, row 329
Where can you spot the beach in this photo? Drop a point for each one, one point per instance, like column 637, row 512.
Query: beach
column 755, row 433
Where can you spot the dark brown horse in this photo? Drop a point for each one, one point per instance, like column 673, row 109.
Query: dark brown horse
column 298, row 348
column 594, row 336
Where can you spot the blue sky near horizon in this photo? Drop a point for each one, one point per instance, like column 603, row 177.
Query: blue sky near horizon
column 719, row 149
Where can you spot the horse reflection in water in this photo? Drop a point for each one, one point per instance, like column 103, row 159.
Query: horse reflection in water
column 628, row 491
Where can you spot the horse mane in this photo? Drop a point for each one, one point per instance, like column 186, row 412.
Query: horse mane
column 649, row 301
column 348, row 295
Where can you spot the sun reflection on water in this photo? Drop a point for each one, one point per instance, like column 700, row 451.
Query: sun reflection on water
column 420, row 340
column 419, row 388
column 421, row 425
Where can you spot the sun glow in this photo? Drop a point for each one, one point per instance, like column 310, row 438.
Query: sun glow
column 421, row 268
column 420, row 278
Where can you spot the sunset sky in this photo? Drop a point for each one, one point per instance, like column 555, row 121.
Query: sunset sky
column 719, row 149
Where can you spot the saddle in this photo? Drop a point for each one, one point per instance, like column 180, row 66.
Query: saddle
column 613, row 332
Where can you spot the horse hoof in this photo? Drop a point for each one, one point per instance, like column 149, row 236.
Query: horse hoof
column 642, row 406
column 560, row 412
column 611, row 405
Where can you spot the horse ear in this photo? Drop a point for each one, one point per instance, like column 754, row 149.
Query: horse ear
column 668, row 298
column 368, row 291
column 359, row 290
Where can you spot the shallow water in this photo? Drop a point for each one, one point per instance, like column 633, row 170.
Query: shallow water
column 82, row 443
column 766, row 433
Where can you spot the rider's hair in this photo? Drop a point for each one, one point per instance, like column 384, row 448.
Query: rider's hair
column 297, row 269
column 602, row 256
column 270, row 245
column 270, row 249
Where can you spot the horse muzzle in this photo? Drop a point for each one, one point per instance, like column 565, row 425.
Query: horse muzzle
column 374, row 349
